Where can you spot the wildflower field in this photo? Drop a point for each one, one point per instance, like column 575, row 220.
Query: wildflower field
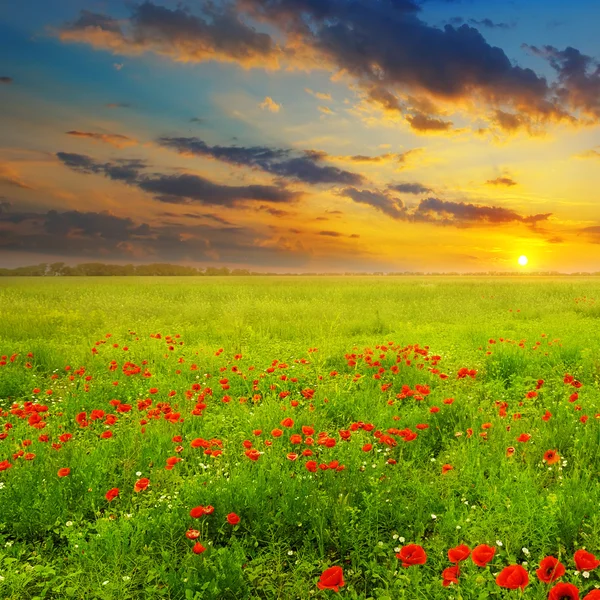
column 232, row 438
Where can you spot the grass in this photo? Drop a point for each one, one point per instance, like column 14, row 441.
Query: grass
column 61, row 537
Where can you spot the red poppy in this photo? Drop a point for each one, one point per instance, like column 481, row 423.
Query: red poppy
column 296, row 438
column 4, row 465
column 551, row 457
column 510, row 451
column 412, row 554
column 482, row 554
column 277, row 433
column 198, row 548
column 233, row 519
column 450, row 575
column 306, row 430
column 564, row 591
column 459, row 553
column 209, row 510
column 141, row 484
column 197, row 512
column 446, row 468
column 288, row 422
column 64, row 472
column 367, row 447
column 593, row 595
column 513, row 577
column 585, row 561
column 311, row 465
column 112, row 494
column 331, row 579
column 192, row 534
column 292, row 456
column 524, row 437
column 106, row 435
column 550, row 569
column 253, row 454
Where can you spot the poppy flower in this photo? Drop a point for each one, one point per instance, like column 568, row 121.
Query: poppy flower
column 593, row 595
column 197, row 512
column 524, row 437
column 585, row 561
column 106, row 434
column 209, row 510
column 292, row 456
column 331, row 579
column 112, row 494
column 513, row 577
column 450, row 575
column 550, row 569
column 459, row 553
column 192, row 534
column 253, row 454
column 367, row 447
column 141, row 484
column 311, row 465
column 233, row 519
column 288, row 422
column 4, row 465
column 510, row 451
column 482, row 554
column 551, row 457
column 198, row 548
column 277, row 433
column 412, row 554
column 564, row 591
column 446, row 468
column 64, row 472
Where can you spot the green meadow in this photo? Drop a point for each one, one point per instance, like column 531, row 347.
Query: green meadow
column 437, row 411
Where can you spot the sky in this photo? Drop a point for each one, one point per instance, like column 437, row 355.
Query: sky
column 301, row 135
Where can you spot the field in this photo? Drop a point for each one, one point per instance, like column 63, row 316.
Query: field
column 232, row 438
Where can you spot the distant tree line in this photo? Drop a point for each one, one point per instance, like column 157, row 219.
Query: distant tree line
column 60, row 269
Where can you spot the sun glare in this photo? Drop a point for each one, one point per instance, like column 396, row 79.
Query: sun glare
column 523, row 260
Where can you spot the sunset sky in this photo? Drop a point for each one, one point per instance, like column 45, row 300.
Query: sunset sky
column 301, row 135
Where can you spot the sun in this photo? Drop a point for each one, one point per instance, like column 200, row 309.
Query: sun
column 522, row 260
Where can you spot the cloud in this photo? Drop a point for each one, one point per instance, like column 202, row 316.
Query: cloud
column 578, row 77
column 103, row 235
column 115, row 139
column 588, row 154
column 421, row 122
column 197, row 120
column 281, row 162
column 382, row 45
column 118, row 66
column 385, row 203
column 491, row 25
column 118, row 105
column 440, row 212
column 5, row 79
column 122, row 169
column 4, row 205
column 275, row 212
column 409, row 188
column 462, row 212
column 507, row 181
column 197, row 216
column 319, row 95
column 330, row 233
column 177, row 189
column 217, row 33
column 325, row 110
column 8, row 176
column 389, row 51
column 269, row 104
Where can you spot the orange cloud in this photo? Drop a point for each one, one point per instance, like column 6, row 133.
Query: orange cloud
column 114, row 139
column 269, row 104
